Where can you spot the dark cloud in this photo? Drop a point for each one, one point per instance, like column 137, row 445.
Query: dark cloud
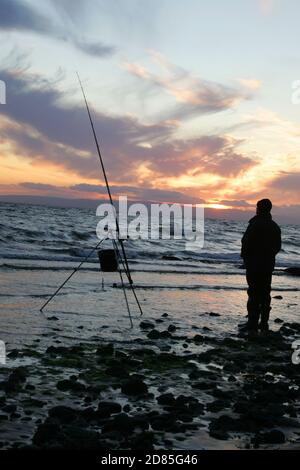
column 96, row 49
column 49, row 131
column 289, row 182
column 19, row 16
column 132, row 192
column 207, row 154
column 38, row 186
column 234, row 203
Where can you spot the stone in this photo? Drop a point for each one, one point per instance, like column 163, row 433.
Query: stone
column 146, row 325
column 134, row 386
column 153, row 334
column 105, row 350
column 294, row 271
column 273, row 437
column 111, row 406
column 166, row 399
column 70, row 385
column 63, row 414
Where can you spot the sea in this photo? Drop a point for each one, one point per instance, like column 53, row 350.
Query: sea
column 199, row 289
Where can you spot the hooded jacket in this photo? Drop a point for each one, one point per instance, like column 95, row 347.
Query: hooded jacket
column 261, row 243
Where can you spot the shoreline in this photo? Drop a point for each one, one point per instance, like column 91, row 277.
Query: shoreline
column 235, row 392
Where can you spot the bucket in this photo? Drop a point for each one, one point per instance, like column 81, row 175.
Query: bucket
column 108, row 261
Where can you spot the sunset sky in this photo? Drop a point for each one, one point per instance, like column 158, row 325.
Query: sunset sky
column 192, row 100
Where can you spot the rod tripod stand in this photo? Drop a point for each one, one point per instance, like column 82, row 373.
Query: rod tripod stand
column 120, row 260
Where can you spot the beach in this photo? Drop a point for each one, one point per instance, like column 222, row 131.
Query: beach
column 77, row 375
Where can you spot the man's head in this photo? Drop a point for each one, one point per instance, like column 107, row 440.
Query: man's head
column 264, row 206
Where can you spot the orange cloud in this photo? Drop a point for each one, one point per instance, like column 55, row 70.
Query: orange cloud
column 250, row 83
column 195, row 95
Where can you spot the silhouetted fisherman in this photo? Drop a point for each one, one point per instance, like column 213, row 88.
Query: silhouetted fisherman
column 260, row 245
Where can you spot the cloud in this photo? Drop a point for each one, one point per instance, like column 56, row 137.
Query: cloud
column 38, row 186
column 43, row 129
column 287, row 182
column 250, row 83
column 235, row 203
column 194, row 94
column 18, row 16
column 212, row 154
column 140, row 193
column 96, row 49
column 132, row 192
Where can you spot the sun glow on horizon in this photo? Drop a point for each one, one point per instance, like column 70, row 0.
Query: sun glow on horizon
column 217, row 206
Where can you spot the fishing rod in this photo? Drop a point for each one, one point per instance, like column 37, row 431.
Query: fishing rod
column 72, row 274
column 124, row 256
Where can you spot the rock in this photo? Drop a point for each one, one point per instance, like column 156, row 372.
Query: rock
column 273, row 437
column 165, row 315
column 70, row 385
column 213, row 314
column 164, row 422
column 166, row 399
column 293, row 326
column 52, row 318
column 76, row 437
column 172, row 328
column 33, row 403
column 165, row 334
column 30, row 387
column 105, row 350
column 56, row 350
column 13, row 354
column 294, row 271
column 144, row 440
column 15, row 380
column 219, row 434
column 46, row 433
column 125, row 424
column 117, row 371
column 217, row 405
column 198, row 338
column 90, row 414
column 187, row 401
column 224, row 424
column 170, row 258
column 231, row 378
column 63, row 414
column 204, row 385
column 278, row 320
column 134, row 386
column 111, row 406
column 146, row 325
column 220, row 393
column 154, row 334
column 278, row 297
